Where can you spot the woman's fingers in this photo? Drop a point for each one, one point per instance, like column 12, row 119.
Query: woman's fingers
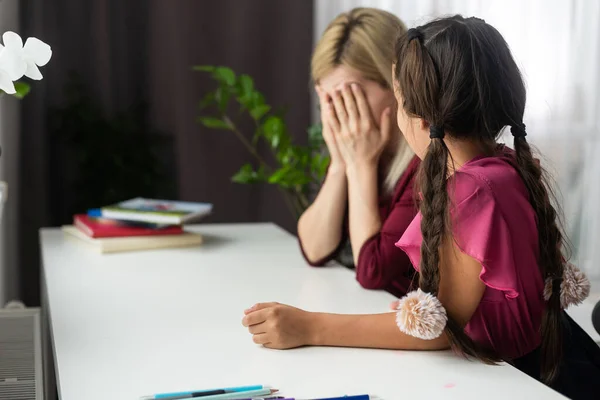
column 340, row 110
column 351, row 109
column 330, row 116
column 364, row 111
column 385, row 126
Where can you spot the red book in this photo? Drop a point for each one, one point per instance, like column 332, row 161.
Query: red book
column 104, row 228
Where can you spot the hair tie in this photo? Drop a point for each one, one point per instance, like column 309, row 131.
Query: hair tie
column 518, row 130
column 421, row 315
column 573, row 287
column 436, row 132
column 414, row 33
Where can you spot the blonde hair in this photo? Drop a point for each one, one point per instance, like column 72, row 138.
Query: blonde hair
column 363, row 39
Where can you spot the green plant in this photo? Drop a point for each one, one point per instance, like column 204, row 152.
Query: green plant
column 294, row 169
column 109, row 158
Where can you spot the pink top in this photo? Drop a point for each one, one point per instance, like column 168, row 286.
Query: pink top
column 493, row 222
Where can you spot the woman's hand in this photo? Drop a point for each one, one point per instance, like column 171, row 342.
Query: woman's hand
column 278, row 326
column 359, row 140
column 337, row 162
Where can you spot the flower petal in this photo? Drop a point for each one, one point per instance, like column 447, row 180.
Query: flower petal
column 12, row 63
column 6, row 83
column 38, row 51
column 12, row 40
column 33, row 72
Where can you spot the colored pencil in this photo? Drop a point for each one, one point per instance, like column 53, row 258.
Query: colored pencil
column 187, row 394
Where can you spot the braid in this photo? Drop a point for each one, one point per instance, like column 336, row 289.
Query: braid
column 419, row 70
column 551, row 258
column 434, row 172
column 435, row 225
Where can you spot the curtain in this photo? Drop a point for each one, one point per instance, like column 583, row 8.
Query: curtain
column 141, row 49
column 9, row 141
column 556, row 43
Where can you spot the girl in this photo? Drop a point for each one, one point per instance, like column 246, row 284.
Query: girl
column 493, row 282
column 366, row 196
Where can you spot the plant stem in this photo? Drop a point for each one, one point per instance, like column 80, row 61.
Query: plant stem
column 245, row 142
column 302, row 199
column 292, row 207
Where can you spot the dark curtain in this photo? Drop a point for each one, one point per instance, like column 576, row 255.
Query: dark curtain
column 126, row 50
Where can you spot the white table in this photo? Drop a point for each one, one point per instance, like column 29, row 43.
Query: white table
column 134, row 324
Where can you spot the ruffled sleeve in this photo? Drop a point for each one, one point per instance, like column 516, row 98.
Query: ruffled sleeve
column 480, row 231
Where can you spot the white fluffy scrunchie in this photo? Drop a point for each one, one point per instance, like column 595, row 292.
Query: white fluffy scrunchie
column 574, row 289
column 421, row 315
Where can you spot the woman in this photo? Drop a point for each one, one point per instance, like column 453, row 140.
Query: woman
column 367, row 197
column 493, row 281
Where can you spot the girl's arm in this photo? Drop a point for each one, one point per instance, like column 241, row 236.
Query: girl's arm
column 279, row 326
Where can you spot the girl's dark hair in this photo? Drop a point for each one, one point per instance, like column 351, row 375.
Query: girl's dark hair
column 459, row 74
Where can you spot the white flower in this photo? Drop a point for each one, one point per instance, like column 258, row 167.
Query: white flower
column 34, row 54
column 11, row 69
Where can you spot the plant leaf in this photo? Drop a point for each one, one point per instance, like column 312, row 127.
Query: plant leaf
column 257, row 99
column 285, row 157
column 246, row 85
column 244, row 175
column 214, row 123
column 247, row 174
column 315, row 135
column 22, row 89
column 208, row 99
column 222, row 96
column 279, row 174
column 259, row 111
column 203, row 68
column 225, row 75
column 274, row 129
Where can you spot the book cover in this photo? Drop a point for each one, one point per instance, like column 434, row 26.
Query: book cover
column 103, row 228
column 157, row 211
column 134, row 243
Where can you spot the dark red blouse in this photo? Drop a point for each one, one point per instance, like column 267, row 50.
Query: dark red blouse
column 382, row 265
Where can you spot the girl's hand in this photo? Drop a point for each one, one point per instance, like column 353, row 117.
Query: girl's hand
column 359, row 140
column 278, row 326
column 325, row 101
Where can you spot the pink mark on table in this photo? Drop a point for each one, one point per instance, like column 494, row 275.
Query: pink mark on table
column 449, row 385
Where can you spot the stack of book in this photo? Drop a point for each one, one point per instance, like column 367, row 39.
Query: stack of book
column 138, row 224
